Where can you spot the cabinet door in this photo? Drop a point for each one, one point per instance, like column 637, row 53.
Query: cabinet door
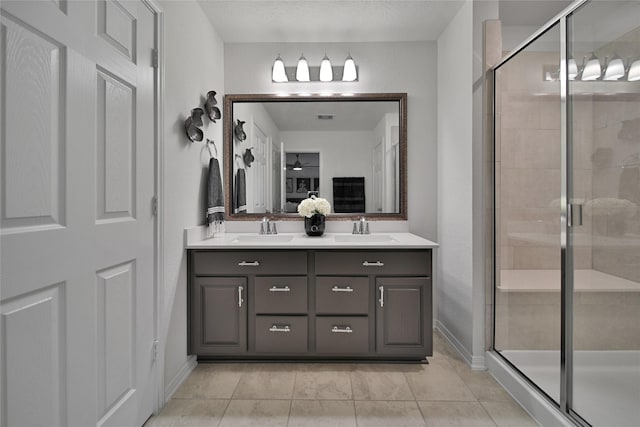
column 403, row 323
column 219, row 317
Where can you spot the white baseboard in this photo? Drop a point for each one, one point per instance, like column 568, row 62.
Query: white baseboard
column 477, row 363
column 526, row 395
column 178, row 379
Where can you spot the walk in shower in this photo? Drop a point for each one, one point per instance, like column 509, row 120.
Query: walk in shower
column 567, row 211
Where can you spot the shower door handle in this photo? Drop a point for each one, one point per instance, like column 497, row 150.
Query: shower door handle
column 574, row 214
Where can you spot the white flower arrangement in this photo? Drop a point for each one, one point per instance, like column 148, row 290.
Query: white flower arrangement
column 314, row 205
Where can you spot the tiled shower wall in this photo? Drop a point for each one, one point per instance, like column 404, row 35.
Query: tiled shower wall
column 528, row 166
column 616, row 172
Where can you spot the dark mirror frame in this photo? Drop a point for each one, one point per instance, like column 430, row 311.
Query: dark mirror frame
column 230, row 100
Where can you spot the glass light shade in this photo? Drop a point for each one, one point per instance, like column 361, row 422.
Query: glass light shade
column 573, row 69
column 615, row 70
column 593, row 70
column 634, row 71
column 349, row 73
column 302, row 70
column 278, row 74
column 326, row 71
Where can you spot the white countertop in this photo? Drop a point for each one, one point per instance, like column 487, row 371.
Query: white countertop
column 391, row 240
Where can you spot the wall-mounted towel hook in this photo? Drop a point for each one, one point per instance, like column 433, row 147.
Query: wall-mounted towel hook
column 209, row 144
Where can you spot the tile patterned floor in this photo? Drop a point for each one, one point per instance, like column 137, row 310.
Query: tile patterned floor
column 446, row 392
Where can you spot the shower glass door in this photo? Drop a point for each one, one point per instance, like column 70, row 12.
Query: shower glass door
column 604, row 190
column 528, row 211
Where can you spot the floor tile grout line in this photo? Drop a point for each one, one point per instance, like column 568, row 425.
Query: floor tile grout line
column 355, row 412
column 224, row 412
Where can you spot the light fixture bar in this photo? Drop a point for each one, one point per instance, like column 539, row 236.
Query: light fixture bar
column 326, row 72
column 314, row 75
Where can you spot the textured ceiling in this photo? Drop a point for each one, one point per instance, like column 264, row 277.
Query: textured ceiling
column 530, row 12
column 314, row 21
column 348, row 116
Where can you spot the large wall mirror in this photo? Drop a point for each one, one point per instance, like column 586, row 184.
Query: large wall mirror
column 351, row 150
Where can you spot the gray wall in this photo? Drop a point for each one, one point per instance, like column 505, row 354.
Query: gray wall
column 455, row 214
column 193, row 66
column 383, row 67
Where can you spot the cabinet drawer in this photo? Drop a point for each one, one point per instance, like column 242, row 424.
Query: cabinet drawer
column 342, row 295
column 341, row 335
column 281, row 295
column 281, row 334
column 415, row 263
column 250, row 262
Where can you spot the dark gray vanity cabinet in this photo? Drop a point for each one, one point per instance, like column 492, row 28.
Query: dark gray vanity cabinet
column 219, row 315
column 310, row 304
column 400, row 310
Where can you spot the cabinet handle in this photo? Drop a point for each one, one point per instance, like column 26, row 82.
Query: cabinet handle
column 240, row 300
column 373, row 264
column 249, row 263
column 276, row 328
column 343, row 289
column 277, row 289
column 339, row 330
column 381, row 300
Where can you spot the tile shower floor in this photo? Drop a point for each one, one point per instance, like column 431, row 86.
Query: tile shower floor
column 443, row 393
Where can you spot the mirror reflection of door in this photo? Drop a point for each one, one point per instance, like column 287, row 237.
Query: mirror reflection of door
column 302, row 178
column 258, row 185
column 378, row 178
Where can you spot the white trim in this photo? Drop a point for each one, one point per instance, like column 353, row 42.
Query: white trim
column 477, row 363
column 180, row 377
column 159, row 193
column 531, row 400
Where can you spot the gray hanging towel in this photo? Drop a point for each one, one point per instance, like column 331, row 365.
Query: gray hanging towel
column 215, row 200
column 240, row 196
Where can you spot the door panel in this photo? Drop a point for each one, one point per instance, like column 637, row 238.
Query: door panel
column 402, row 325
column 77, row 232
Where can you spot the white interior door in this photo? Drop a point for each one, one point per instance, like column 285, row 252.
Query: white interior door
column 259, row 171
column 378, row 176
column 77, row 227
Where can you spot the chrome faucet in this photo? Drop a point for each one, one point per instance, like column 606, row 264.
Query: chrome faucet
column 361, row 227
column 266, row 227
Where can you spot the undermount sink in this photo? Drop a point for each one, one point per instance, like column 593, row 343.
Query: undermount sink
column 364, row 238
column 262, row 238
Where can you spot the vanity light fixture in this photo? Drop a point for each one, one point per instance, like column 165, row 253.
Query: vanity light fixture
column 592, row 70
column 302, row 70
column 278, row 73
column 349, row 73
column 326, row 72
column 634, row 71
column 614, row 69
